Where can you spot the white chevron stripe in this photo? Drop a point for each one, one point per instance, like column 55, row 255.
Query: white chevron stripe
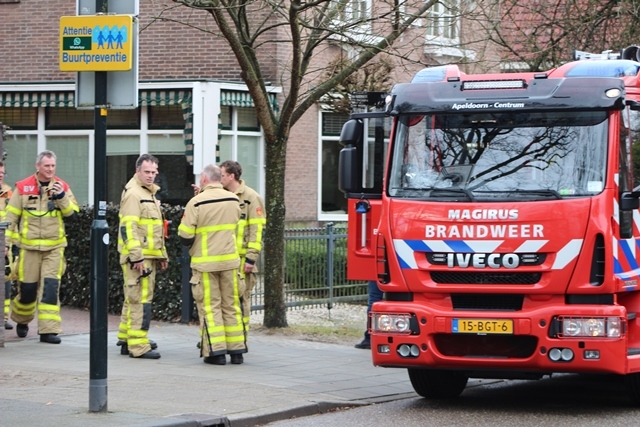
column 405, row 253
column 437, row 246
column 567, row 254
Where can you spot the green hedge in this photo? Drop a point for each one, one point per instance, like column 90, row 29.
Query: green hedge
column 76, row 282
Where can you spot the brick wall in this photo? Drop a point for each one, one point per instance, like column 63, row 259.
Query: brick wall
column 29, row 42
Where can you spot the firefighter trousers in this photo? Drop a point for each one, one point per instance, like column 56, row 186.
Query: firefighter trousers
column 217, row 295
column 39, row 275
column 11, row 272
column 250, row 280
column 136, row 310
column 7, row 297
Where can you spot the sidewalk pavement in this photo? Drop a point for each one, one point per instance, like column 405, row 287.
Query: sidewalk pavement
column 48, row 385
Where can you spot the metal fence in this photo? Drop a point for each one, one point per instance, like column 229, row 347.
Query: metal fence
column 315, row 272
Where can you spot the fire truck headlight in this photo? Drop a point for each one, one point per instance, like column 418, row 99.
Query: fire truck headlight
column 391, row 323
column 596, row 327
column 612, row 93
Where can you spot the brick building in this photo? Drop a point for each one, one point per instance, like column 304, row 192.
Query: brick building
column 193, row 106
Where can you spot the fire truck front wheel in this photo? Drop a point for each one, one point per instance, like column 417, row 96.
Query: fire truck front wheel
column 633, row 385
column 437, row 384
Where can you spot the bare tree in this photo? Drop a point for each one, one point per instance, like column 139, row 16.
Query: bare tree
column 303, row 37
column 539, row 35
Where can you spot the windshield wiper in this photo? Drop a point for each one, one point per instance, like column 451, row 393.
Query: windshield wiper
column 455, row 190
column 540, row 191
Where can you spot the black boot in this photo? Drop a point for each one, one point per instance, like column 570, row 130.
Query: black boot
column 8, row 325
column 123, row 342
column 148, row 355
column 237, row 359
column 364, row 344
column 221, row 359
column 22, row 329
column 50, row 338
column 124, row 349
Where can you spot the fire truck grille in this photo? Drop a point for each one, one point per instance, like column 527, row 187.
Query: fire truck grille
column 496, row 302
column 486, row 346
column 462, row 278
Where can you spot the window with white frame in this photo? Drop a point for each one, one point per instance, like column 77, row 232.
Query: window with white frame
column 68, row 132
column 157, row 130
column 442, row 21
column 241, row 141
column 332, row 200
column 353, row 10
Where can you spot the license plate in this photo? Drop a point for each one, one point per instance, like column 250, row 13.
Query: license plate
column 482, row 326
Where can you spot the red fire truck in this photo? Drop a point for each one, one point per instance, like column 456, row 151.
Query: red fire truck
column 497, row 213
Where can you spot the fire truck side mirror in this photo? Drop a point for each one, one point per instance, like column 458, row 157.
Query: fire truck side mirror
column 349, row 161
column 633, row 104
column 347, row 170
column 629, row 200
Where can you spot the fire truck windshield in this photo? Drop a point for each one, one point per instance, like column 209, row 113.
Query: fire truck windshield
column 499, row 156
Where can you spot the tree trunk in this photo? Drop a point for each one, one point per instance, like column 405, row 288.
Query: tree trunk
column 275, row 310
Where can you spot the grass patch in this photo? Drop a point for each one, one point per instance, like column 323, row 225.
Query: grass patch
column 329, row 334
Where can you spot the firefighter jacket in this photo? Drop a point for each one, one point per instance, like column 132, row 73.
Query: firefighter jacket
column 36, row 214
column 141, row 229
column 5, row 195
column 251, row 224
column 209, row 226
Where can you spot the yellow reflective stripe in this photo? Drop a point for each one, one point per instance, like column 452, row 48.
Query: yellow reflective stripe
column 152, row 221
column 144, row 292
column 71, row 207
column 234, row 328
column 132, row 218
column 156, row 252
column 150, row 239
column 23, row 309
column 185, row 229
column 137, row 341
column 214, row 258
column 234, row 338
column 240, row 237
column 206, row 289
column 257, row 221
column 217, row 338
column 48, row 307
column 256, row 246
column 215, row 329
column 43, row 242
column 47, row 316
column 137, row 333
column 14, row 210
column 214, row 228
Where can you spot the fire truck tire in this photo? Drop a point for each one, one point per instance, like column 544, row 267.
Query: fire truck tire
column 633, row 385
column 437, row 384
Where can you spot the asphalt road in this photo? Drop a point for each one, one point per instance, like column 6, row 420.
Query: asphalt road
column 565, row 400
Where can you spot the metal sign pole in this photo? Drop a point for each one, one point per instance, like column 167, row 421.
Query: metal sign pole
column 99, row 249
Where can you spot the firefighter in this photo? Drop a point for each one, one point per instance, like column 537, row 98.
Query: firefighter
column 250, row 227
column 142, row 251
column 208, row 228
column 5, row 195
column 36, row 210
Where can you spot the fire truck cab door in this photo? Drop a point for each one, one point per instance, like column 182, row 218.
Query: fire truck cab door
column 362, row 168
